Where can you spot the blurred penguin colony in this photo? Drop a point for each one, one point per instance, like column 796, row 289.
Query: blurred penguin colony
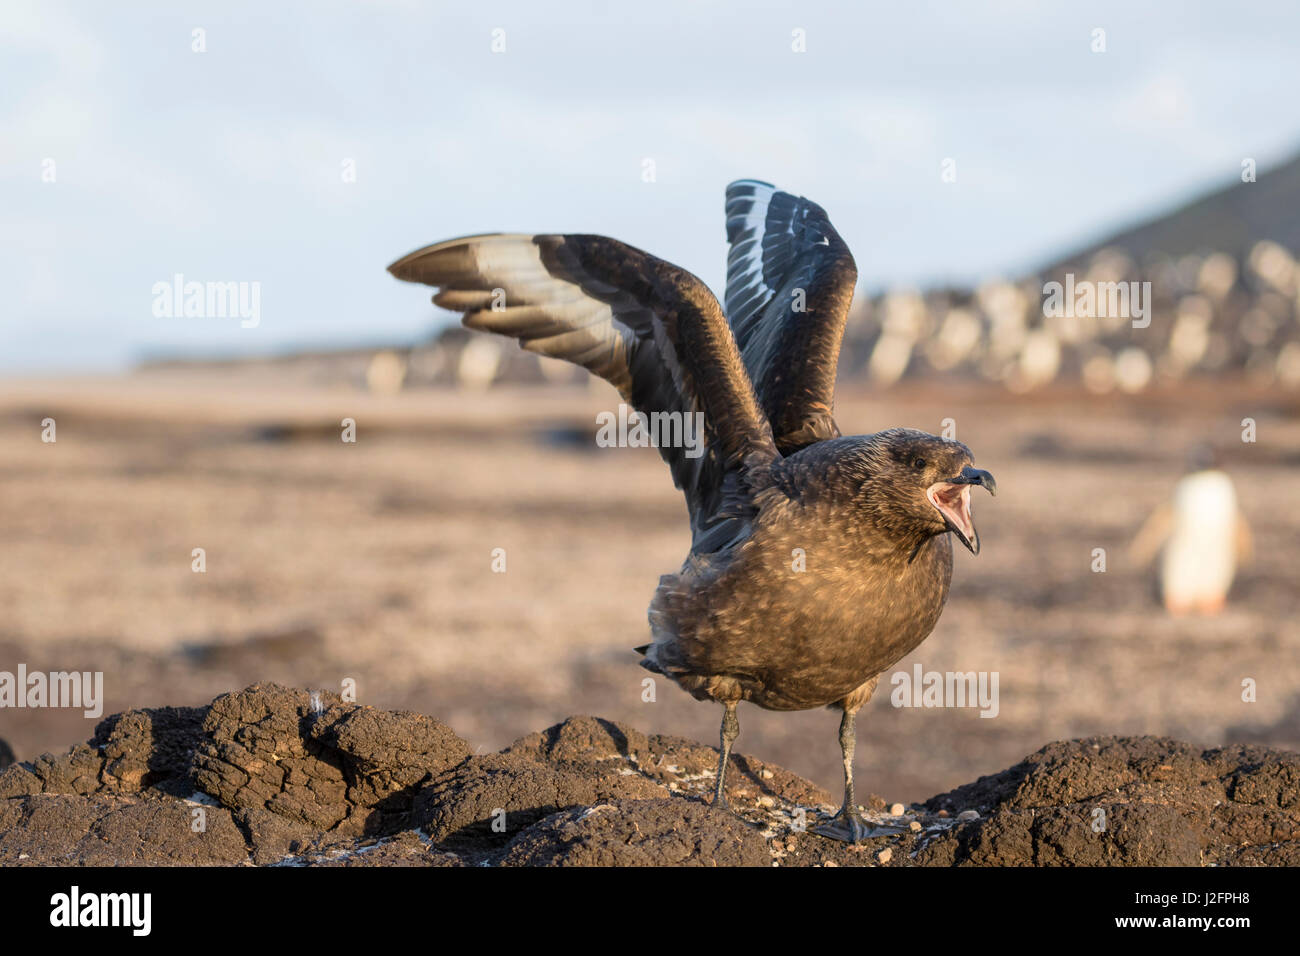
column 1206, row 315
column 1202, row 315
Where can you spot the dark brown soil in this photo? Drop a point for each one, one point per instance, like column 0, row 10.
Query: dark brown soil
column 271, row 775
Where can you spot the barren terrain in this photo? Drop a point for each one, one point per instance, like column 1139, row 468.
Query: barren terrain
column 328, row 561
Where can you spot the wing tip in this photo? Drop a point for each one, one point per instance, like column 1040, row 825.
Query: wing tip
column 400, row 268
column 748, row 191
column 396, row 268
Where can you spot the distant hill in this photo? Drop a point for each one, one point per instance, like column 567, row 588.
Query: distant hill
column 1230, row 220
column 1213, row 290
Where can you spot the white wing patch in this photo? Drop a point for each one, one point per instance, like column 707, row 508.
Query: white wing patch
column 747, row 223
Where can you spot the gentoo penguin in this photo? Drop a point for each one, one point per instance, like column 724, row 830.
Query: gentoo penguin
column 817, row 561
column 1201, row 535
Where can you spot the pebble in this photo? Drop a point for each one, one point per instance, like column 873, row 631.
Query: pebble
column 914, row 826
column 766, row 774
column 885, row 855
column 897, row 810
column 943, row 813
column 766, row 802
column 830, row 863
column 968, row 815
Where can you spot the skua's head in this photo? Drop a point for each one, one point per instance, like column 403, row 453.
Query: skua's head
column 919, row 485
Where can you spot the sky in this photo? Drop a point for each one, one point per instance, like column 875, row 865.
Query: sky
column 306, row 146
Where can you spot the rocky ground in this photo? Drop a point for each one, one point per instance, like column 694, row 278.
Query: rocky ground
column 276, row 776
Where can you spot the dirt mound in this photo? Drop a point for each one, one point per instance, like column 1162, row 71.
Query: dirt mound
column 271, row 775
column 1109, row 801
